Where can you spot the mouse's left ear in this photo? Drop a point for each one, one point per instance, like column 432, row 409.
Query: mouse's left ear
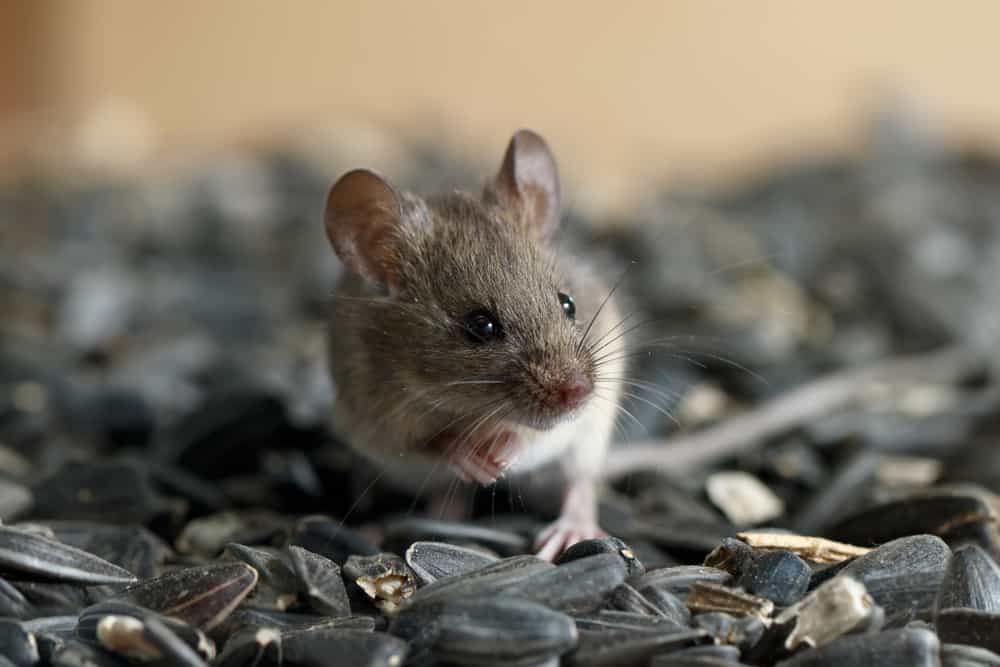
column 528, row 183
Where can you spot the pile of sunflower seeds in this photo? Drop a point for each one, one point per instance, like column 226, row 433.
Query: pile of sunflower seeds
column 170, row 493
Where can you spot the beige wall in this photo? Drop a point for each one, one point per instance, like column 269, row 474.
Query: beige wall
column 625, row 90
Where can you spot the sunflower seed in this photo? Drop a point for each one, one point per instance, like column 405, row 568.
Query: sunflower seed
column 972, row 580
column 604, row 545
column 629, row 650
column 626, row 598
column 30, row 554
column 743, row 498
column 779, row 576
column 200, row 596
column 969, row 626
column 13, row 604
column 432, row 561
column 486, row 631
column 17, row 644
column 903, row 576
column 668, row 604
column 314, row 647
column 132, row 547
column 124, row 632
column 320, row 581
column 492, row 578
column 252, row 647
column 907, row 647
column 78, row 654
column 578, row 586
column 607, row 620
column 960, row 655
column 170, row 645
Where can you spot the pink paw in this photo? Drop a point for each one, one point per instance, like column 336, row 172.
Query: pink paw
column 564, row 533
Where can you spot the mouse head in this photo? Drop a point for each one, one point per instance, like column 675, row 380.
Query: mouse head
column 475, row 315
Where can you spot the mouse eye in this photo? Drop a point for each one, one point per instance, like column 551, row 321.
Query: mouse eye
column 566, row 301
column 482, row 326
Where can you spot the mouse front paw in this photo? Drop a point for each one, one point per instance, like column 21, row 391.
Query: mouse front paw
column 564, row 533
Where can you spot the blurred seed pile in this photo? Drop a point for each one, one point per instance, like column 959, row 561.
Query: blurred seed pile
column 171, row 494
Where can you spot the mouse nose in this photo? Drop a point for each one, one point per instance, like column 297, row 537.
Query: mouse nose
column 574, row 390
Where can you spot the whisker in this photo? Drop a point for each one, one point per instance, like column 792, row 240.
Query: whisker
column 656, row 407
column 614, row 288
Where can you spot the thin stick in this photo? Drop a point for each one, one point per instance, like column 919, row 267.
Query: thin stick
column 806, row 403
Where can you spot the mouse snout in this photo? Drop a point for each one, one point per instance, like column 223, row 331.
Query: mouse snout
column 573, row 390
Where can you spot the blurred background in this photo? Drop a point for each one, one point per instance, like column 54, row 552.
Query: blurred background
column 646, row 91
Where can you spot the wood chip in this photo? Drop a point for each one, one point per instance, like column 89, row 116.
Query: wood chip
column 815, row 549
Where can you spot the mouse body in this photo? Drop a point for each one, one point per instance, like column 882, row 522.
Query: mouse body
column 462, row 343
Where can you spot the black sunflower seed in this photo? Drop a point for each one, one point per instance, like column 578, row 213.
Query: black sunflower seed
column 315, row 647
column 385, row 578
column 492, row 578
column 17, row 644
column 961, row 655
column 909, row 647
column 320, row 582
column 502, row 631
column 969, row 626
column 176, row 651
column 779, row 576
column 125, row 630
column 132, row 547
column 432, row 561
column 903, row 576
column 679, row 579
column 972, row 580
column 252, row 647
column 604, row 545
column 39, row 556
column 200, row 596
column 630, row 649
column 576, row 587
column 400, row 534
column 13, row 604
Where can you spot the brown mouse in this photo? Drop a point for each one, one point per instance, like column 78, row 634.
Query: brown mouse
column 461, row 343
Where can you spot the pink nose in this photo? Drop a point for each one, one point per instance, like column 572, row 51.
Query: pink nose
column 574, row 390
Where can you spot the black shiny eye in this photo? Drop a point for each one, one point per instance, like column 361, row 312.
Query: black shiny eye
column 482, row 326
column 566, row 301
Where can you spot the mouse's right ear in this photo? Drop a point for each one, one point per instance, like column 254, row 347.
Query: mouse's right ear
column 362, row 212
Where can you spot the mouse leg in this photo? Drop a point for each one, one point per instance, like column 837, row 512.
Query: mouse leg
column 577, row 520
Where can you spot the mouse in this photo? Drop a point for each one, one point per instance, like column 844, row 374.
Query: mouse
column 465, row 341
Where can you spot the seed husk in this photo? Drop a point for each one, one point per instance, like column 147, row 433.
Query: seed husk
column 706, row 597
column 385, row 578
column 815, row 549
column 835, row 608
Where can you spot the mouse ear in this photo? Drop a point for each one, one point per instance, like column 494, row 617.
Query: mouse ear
column 362, row 211
column 528, row 182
